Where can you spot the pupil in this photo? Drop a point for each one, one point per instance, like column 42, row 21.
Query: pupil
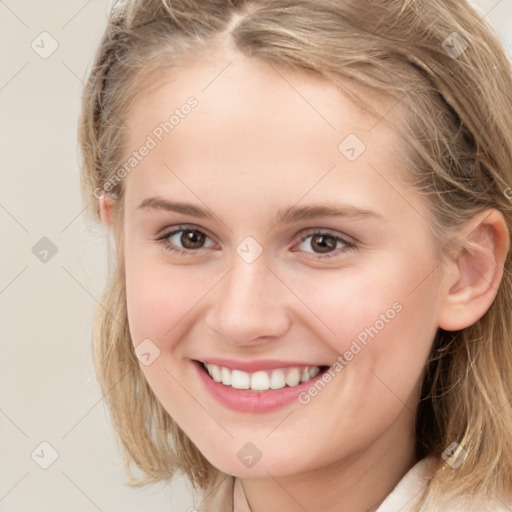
column 192, row 239
column 324, row 243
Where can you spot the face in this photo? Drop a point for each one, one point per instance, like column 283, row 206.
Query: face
column 268, row 232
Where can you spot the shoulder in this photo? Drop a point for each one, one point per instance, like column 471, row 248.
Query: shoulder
column 475, row 504
column 467, row 504
column 407, row 494
column 226, row 492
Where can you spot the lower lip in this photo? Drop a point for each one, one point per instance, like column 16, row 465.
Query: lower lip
column 253, row 401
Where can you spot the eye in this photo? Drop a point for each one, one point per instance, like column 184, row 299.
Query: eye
column 325, row 244
column 185, row 240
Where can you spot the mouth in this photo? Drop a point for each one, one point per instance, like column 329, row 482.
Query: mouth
column 262, row 380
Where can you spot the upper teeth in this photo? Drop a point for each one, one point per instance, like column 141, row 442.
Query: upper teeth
column 262, row 380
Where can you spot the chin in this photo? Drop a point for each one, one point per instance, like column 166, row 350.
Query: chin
column 247, row 462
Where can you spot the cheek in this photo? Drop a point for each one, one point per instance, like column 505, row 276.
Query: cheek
column 159, row 297
column 381, row 321
column 396, row 297
column 158, row 301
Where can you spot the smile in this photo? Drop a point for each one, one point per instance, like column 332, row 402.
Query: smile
column 262, row 380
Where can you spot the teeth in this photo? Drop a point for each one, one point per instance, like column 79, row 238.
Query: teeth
column 313, row 372
column 214, row 372
column 277, row 380
column 240, row 380
column 293, row 377
column 261, row 380
column 305, row 375
column 226, row 376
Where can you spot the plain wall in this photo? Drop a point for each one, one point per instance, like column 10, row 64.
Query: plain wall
column 48, row 391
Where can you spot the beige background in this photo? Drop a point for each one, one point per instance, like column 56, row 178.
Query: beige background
column 48, row 391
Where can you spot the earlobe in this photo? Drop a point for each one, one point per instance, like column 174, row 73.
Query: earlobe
column 473, row 277
column 106, row 209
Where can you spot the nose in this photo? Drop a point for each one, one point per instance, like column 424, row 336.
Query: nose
column 250, row 305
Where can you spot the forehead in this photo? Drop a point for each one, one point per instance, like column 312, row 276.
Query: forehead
column 258, row 92
column 256, row 128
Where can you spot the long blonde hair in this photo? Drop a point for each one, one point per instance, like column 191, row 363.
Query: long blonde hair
column 446, row 68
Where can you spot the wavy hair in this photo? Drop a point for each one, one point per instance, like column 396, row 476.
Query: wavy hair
column 446, row 68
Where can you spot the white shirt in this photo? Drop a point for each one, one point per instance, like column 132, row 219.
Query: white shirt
column 229, row 496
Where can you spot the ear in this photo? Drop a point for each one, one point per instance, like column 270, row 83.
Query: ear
column 107, row 210
column 473, row 276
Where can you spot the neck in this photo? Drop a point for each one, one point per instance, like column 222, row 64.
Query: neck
column 358, row 482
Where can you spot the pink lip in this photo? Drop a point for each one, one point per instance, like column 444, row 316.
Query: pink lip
column 253, row 401
column 255, row 366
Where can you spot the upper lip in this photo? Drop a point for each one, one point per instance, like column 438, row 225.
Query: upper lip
column 254, row 366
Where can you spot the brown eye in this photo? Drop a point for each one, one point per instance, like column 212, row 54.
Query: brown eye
column 186, row 241
column 323, row 243
column 192, row 239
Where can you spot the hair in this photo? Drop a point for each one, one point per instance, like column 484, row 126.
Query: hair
column 456, row 121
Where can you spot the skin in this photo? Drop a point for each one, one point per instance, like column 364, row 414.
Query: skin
column 252, row 147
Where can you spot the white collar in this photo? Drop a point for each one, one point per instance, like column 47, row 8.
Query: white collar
column 404, row 496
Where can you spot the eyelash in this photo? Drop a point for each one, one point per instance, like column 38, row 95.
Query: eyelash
column 164, row 240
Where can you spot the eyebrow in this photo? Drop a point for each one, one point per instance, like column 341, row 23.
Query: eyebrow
column 288, row 215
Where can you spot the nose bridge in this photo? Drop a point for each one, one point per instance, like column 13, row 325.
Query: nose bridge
column 247, row 304
column 250, row 281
